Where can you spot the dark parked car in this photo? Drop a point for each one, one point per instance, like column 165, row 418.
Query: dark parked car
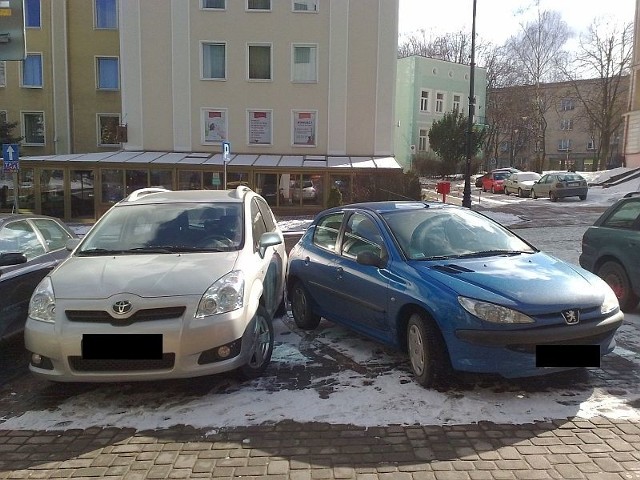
column 611, row 249
column 560, row 185
column 30, row 247
column 452, row 288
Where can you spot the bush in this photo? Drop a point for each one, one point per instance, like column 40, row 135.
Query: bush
column 335, row 198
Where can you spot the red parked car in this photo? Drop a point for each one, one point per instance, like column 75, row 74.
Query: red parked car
column 494, row 181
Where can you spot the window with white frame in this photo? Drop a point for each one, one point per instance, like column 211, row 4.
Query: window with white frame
column 259, row 60
column 260, row 127
column 214, row 4
column 32, row 71
column 108, row 129
column 258, row 4
column 33, row 128
column 456, row 102
column 214, row 125
column 107, row 73
column 3, row 74
column 423, row 140
column 591, row 144
column 439, row 102
column 214, row 60
column 304, row 64
column 566, row 104
column 424, row 101
column 566, row 124
column 32, row 18
column 564, row 144
column 304, row 128
column 305, row 5
column 106, row 12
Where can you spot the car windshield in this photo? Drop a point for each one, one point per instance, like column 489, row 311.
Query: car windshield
column 435, row 233
column 166, row 228
column 501, row 175
column 523, row 177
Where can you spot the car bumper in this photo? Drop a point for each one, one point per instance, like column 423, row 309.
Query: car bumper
column 571, row 192
column 188, row 348
column 513, row 353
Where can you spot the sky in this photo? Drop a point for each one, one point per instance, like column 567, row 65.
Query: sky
column 392, row 397
column 496, row 20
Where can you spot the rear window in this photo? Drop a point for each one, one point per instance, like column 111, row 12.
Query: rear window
column 625, row 216
column 570, row 177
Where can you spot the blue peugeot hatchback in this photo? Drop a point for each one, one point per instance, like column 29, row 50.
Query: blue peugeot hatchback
column 452, row 288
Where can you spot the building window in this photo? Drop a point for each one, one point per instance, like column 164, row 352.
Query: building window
column 106, row 14
column 423, row 140
column 259, row 58
column 566, row 104
column 564, row 144
column 304, row 64
column 108, row 129
column 32, row 71
column 439, row 102
column 566, row 124
column 214, row 4
column 456, row 102
column 32, row 14
column 3, row 116
column 591, row 144
column 260, row 127
column 33, row 128
column 258, row 4
column 3, row 74
column 304, row 128
column 305, row 5
column 214, row 125
column 424, row 101
column 107, row 73
column 214, row 59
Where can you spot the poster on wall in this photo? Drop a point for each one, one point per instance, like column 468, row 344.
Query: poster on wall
column 260, row 127
column 304, row 128
column 215, row 125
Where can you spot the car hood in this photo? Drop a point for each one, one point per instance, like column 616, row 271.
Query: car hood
column 527, row 183
column 150, row 275
column 534, row 283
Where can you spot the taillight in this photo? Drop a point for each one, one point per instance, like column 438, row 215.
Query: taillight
column 559, row 185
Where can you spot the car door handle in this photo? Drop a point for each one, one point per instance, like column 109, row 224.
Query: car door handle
column 307, row 260
column 339, row 272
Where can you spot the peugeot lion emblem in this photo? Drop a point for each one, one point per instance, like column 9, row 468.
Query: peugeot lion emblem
column 571, row 317
column 123, row 307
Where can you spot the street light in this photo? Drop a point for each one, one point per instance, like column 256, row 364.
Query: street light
column 466, row 196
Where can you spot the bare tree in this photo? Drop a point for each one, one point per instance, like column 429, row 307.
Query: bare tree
column 537, row 52
column 604, row 54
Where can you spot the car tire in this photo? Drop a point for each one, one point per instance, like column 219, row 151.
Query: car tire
column 533, row 194
column 616, row 277
column 493, row 190
column 553, row 197
column 281, row 311
column 520, row 193
column 301, row 308
column 506, row 191
column 583, row 197
column 262, row 337
column 427, row 352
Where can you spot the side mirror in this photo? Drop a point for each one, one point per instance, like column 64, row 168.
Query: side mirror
column 72, row 243
column 12, row 258
column 370, row 258
column 268, row 239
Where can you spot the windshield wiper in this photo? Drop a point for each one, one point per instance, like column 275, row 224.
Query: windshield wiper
column 491, row 253
column 98, row 251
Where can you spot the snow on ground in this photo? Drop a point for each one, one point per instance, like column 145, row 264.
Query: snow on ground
column 391, row 397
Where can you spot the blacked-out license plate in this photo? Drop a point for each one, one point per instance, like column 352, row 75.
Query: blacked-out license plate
column 147, row 346
column 572, row 356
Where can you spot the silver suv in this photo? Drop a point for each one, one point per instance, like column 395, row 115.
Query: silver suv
column 167, row 284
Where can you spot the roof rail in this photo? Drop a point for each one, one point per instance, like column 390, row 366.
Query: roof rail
column 241, row 191
column 137, row 194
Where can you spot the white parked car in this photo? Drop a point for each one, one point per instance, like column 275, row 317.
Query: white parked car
column 167, row 284
column 521, row 183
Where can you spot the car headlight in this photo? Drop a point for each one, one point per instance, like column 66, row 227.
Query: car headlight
column 610, row 302
column 42, row 305
column 225, row 295
column 493, row 313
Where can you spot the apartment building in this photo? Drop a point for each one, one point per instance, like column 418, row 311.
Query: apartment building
column 632, row 118
column 300, row 93
column 426, row 88
column 570, row 138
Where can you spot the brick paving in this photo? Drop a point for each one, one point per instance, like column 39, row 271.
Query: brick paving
column 596, row 449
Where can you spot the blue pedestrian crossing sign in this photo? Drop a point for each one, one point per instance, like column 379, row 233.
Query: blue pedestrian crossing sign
column 10, row 157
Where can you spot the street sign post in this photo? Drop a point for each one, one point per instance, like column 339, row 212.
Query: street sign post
column 11, row 163
column 226, row 151
column 12, row 30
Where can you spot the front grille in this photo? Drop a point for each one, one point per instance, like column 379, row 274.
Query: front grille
column 81, row 365
column 145, row 315
column 591, row 340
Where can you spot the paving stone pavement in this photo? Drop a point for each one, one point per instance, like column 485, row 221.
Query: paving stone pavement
column 596, row 449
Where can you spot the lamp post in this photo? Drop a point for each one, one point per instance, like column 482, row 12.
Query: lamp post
column 466, row 196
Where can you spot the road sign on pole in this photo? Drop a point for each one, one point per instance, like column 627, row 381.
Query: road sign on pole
column 10, row 157
column 226, row 151
column 13, row 44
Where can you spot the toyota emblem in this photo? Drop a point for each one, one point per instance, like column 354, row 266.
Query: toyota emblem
column 122, row 307
column 571, row 317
